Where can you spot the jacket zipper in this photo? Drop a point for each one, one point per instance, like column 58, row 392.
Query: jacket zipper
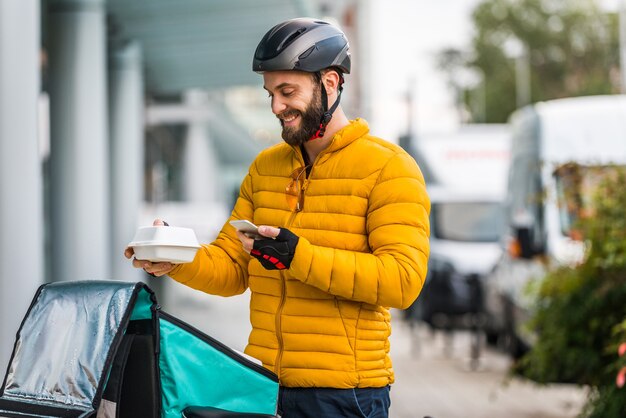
column 283, row 291
column 281, row 304
column 279, row 332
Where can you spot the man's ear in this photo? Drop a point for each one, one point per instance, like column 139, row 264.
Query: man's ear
column 331, row 80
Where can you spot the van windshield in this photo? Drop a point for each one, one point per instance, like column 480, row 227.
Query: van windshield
column 576, row 188
column 467, row 221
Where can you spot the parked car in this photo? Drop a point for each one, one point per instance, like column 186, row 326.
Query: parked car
column 551, row 141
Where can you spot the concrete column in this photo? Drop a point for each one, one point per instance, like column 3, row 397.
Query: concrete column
column 79, row 159
column 201, row 166
column 126, row 115
column 21, row 198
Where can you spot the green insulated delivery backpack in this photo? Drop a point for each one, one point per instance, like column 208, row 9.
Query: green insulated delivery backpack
column 105, row 349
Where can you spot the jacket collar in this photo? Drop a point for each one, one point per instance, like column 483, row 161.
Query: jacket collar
column 346, row 135
column 342, row 138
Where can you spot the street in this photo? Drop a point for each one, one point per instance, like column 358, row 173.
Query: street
column 434, row 378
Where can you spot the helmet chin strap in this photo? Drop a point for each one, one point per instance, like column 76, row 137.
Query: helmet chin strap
column 328, row 113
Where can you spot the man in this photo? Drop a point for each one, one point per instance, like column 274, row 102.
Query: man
column 348, row 236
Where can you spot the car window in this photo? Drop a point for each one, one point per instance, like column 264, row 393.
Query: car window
column 467, row 221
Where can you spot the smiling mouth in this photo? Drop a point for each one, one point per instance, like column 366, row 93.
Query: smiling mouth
column 289, row 118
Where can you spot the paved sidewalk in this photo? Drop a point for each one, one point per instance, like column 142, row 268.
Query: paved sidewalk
column 428, row 382
column 433, row 378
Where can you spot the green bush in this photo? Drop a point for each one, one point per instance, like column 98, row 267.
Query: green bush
column 580, row 314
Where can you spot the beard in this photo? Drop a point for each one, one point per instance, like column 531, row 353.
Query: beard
column 310, row 120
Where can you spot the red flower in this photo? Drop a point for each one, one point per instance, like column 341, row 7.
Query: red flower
column 621, row 378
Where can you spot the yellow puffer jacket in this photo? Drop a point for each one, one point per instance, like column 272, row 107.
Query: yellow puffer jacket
column 363, row 248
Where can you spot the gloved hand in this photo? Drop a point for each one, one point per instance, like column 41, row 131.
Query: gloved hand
column 277, row 253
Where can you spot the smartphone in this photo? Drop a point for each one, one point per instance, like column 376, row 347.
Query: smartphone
column 247, row 227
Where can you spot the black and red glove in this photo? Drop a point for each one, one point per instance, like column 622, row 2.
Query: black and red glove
column 276, row 254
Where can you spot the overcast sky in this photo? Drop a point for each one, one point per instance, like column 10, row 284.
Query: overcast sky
column 405, row 36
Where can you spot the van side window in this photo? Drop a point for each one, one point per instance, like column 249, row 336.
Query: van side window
column 526, row 196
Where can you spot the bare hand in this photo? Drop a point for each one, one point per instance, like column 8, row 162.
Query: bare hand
column 155, row 269
column 266, row 231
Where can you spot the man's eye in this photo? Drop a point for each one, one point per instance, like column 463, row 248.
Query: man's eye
column 287, row 93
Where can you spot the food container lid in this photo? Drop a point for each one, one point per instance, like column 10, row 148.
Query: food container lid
column 165, row 235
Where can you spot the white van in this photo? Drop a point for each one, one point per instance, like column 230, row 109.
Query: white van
column 468, row 170
column 550, row 141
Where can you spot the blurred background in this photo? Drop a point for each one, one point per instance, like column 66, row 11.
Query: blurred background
column 115, row 112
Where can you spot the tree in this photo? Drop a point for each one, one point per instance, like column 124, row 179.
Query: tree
column 580, row 315
column 572, row 48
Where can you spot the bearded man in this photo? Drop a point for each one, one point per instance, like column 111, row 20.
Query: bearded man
column 344, row 231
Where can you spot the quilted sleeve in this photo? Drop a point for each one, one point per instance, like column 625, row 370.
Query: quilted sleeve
column 393, row 274
column 221, row 268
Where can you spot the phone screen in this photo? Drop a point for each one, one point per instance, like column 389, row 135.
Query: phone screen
column 246, row 227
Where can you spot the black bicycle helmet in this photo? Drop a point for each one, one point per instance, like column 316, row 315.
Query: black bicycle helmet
column 302, row 44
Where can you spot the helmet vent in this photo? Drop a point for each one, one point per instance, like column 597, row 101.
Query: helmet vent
column 291, row 38
column 306, row 53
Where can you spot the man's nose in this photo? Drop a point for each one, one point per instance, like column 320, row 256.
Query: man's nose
column 278, row 106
